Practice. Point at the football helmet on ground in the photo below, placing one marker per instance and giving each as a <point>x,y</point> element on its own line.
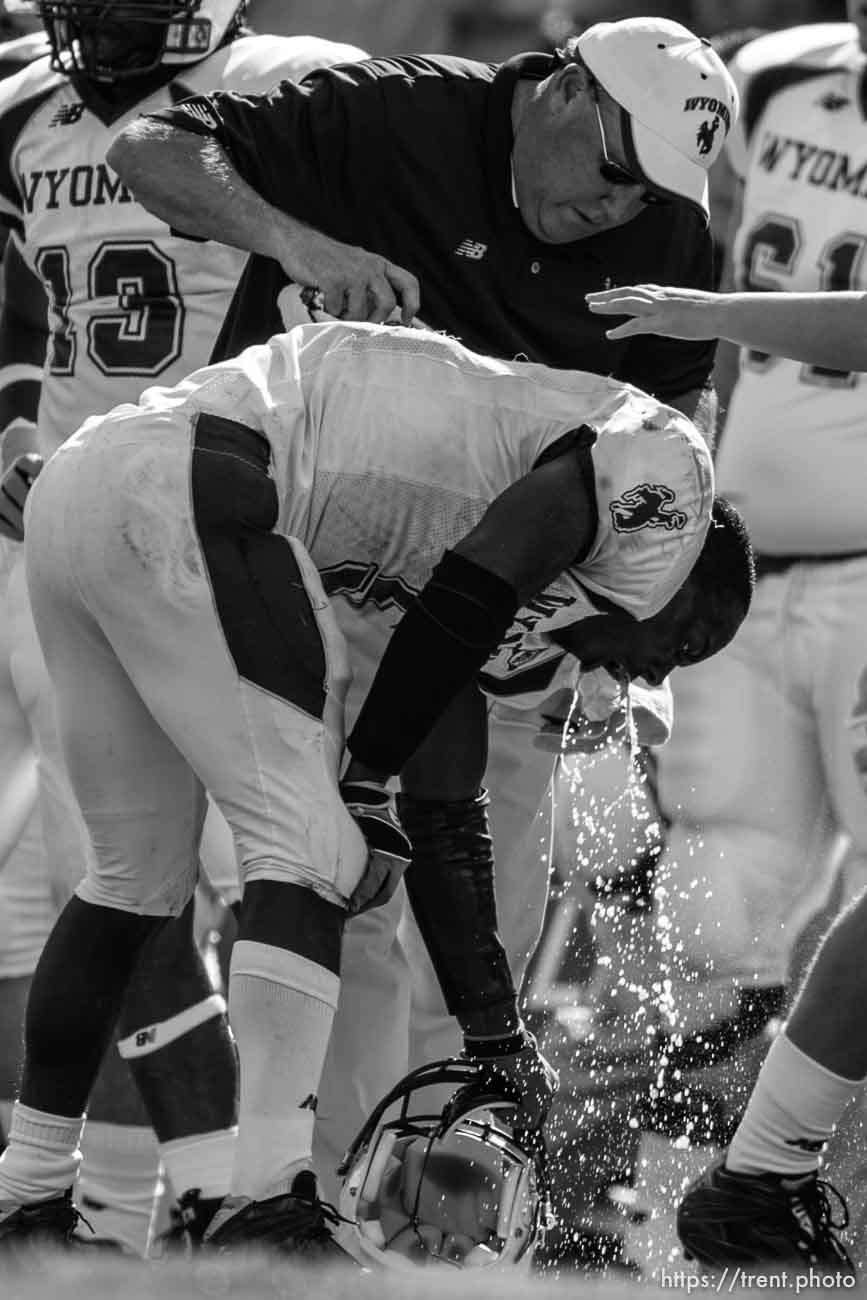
<point>452,1186</point>
<point>114,40</point>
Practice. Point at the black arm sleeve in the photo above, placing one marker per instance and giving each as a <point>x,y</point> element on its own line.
<point>450,883</point>
<point>443,639</point>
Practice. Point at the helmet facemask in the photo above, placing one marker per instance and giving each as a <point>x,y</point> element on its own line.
<point>110,41</point>
<point>451,1189</point>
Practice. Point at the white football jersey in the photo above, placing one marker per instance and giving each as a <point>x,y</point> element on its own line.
<point>128,300</point>
<point>793,455</point>
<point>389,444</point>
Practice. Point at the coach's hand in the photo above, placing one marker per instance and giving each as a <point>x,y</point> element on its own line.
<point>388,849</point>
<point>515,1067</point>
<point>355,284</point>
<point>14,487</point>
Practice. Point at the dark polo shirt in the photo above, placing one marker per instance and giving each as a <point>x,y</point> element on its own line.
<point>409,157</point>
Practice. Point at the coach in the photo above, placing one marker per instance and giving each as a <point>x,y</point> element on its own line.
<point>485,200</point>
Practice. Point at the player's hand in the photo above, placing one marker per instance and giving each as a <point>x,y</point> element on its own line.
<point>354,284</point>
<point>676,313</point>
<point>522,1075</point>
<point>14,487</point>
<point>388,848</point>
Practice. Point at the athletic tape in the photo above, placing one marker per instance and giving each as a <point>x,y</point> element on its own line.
<point>152,1038</point>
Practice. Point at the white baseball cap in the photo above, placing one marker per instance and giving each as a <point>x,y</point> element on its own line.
<point>678,98</point>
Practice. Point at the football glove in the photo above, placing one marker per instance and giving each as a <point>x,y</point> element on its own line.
<point>388,849</point>
<point>515,1067</point>
<point>14,487</point>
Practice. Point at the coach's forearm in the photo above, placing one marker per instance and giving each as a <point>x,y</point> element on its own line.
<point>188,181</point>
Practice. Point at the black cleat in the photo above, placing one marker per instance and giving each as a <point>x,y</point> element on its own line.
<point>190,1219</point>
<point>49,1222</point>
<point>295,1222</point>
<point>727,1219</point>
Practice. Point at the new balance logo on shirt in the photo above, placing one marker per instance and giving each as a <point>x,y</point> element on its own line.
<point>67,115</point>
<point>199,110</point>
<point>472,249</point>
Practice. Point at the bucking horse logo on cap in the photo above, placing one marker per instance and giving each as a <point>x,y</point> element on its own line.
<point>647,505</point>
<point>705,134</point>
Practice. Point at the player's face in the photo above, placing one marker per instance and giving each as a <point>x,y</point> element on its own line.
<point>566,141</point>
<point>110,45</point>
<point>856,11</point>
<point>673,638</point>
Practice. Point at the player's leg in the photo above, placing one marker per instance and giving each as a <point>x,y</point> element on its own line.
<point>369,1042</point>
<point>748,858</point>
<point>17,760</point>
<point>188,1085</point>
<point>260,719</point>
<point>368,1048</point>
<point>822,1056</point>
<point>26,909</point>
<point>128,777</point>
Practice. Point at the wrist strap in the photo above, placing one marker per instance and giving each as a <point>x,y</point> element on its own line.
<point>494,1048</point>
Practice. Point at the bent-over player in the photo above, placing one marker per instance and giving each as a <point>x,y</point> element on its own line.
<point>191,646</point>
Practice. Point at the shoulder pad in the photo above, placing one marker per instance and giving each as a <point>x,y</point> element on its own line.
<point>815,45</point>
<point>20,96</point>
<point>763,67</point>
<point>22,51</point>
<point>32,81</point>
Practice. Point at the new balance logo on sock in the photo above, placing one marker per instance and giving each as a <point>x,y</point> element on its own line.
<point>472,249</point>
<point>310,1102</point>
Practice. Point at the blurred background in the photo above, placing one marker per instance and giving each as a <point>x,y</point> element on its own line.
<point>495,29</point>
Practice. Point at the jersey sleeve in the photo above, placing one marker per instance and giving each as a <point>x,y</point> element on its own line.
<point>297,145</point>
<point>23,338</point>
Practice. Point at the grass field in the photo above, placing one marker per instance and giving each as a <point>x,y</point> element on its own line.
<point>58,1278</point>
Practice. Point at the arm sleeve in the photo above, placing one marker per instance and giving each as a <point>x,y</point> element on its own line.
<point>23,338</point>
<point>298,146</point>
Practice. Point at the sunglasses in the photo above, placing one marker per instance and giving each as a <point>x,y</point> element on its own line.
<point>611,171</point>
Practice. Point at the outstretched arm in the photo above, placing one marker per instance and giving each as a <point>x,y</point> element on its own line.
<point>215,202</point>
<point>822,329</point>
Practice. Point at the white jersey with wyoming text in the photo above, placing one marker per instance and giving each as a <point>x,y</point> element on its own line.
<point>388,445</point>
<point>129,301</point>
<point>793,455</point>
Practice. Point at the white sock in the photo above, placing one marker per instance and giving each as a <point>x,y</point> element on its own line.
<point>118,1183</point>
<point>203,1160</point>
<point>42,1156</point>
<point>795,1105</point>
<point>281,1009</point>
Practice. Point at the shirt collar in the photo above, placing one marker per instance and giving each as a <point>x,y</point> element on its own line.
<point>500,136</point>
